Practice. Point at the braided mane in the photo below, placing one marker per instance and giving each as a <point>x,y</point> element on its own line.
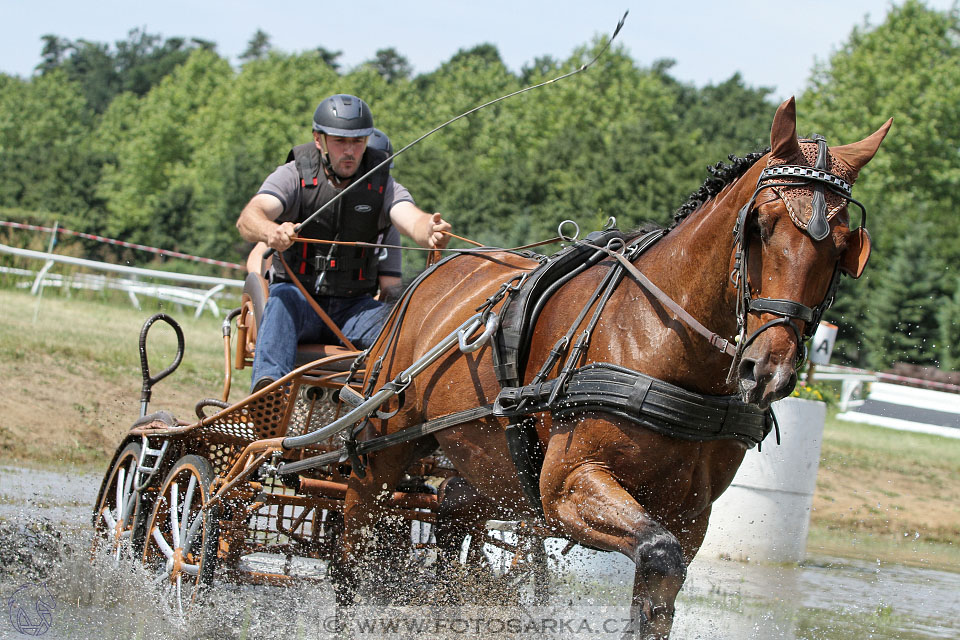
<point>720,176</point>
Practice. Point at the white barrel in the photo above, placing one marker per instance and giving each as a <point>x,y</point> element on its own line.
<point>764,515</point>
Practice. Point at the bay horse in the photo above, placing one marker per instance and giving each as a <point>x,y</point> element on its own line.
<point>758,257</point>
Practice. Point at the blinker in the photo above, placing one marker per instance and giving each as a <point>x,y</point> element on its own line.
<point>818,227</point>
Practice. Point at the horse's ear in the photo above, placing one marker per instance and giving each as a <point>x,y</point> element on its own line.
<point>783,134</point>
<point>860,153</point>
<point>855,256</point>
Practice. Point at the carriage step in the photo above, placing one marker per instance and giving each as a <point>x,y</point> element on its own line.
<point>149,462</point>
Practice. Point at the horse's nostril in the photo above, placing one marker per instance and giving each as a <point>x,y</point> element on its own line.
<point>746,371</point>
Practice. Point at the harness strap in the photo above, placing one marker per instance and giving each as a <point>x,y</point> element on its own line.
<point>644,400</point>
<point>327,320</point>
<point>787,308</point>
<point>412,432</point>
<point>717,341</point>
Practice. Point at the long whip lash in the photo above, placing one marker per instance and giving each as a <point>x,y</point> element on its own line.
<point>583,67</point>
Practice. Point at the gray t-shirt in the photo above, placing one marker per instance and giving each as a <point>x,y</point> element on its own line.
<point>284,184</point>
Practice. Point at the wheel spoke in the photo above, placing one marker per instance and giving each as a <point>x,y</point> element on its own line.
<point>128,492</point>
<point>164,547</point>
<point>179,597</point>
<point>187,503</point>
<point>192,533</point>
<point>174,514</point>
<point>121,476</point>
<point>108,518</point>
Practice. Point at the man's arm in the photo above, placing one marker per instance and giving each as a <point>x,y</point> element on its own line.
<point>256,222</point>
<point>425,228</point>
<point>390,288</point>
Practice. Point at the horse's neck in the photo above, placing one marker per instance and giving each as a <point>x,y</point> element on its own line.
<point>691,264</point>
<point>695,257</point>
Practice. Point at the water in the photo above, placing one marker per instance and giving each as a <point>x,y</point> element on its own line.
<point>45,554</point>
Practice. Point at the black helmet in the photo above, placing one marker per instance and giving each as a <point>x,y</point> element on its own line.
<point>343,115</point>
<point>379,140</point>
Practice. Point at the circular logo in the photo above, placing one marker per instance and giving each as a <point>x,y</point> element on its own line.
<point>31,609</point>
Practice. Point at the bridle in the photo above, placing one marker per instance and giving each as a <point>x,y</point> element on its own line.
<point>818,227</point>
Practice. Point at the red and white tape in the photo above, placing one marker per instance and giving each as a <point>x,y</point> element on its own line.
<point>121,243</point>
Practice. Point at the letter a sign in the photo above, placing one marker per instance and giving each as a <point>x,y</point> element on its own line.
<point>822,345</point>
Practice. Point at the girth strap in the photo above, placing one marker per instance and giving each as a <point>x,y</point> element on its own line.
<point>643,400</point>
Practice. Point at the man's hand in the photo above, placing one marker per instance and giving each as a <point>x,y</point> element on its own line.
<point>436,239</point>
<point>281,236</point>
<point>426,229</point>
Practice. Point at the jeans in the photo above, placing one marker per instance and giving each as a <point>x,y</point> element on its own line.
<point>289,319</point>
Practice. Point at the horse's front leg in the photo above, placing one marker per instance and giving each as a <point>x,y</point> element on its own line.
<point>372,535</point>
<point>593,509</point>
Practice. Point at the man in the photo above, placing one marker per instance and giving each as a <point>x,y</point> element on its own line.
<point>340,278</point>
<point>390,271</point>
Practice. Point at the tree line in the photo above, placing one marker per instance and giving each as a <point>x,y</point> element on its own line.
<point>161,142</point>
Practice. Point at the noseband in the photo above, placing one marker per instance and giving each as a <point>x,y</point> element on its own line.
<point>818,227</point>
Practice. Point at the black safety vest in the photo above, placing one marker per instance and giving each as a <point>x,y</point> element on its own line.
<point>334,270</point>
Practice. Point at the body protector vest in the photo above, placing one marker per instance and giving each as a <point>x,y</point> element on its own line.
<point>335,270</point>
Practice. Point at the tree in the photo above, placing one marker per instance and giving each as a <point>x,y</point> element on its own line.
<point>948,322</point>
<point>904,299</point>
<point>46,162</point>
<point>329,57</point>
<point>258,47</point>
<point>135,64</point>
<point>391,65</point>
<point>908,67</point>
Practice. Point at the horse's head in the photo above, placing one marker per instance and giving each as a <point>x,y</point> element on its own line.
<point>793,242</point>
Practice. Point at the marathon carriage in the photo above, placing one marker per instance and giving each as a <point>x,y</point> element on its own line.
<point>197,500</point>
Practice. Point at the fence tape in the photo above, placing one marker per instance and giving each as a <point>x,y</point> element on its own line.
<point>131,245</point>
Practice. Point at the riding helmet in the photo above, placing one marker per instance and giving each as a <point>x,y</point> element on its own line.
<point>343,115</point>
<point>379,140</point>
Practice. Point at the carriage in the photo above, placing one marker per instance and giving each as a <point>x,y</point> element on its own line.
<point>605,395</point>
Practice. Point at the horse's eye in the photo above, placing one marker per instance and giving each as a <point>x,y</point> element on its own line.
<point>765,226</point>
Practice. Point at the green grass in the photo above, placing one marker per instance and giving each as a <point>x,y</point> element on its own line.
<point>875,448</point>
<point>70,375</point>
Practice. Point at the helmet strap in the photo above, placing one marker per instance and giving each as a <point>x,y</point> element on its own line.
<point>325,162</point>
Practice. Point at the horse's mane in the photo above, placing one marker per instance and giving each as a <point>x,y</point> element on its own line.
<point>720,176</point>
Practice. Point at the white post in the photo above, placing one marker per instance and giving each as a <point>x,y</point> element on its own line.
<point>764,515</point>
<point>37,288</point>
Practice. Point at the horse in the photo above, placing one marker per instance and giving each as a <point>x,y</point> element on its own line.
<point>758,257</point>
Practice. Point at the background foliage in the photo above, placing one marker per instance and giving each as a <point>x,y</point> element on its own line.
<point>161,141</point>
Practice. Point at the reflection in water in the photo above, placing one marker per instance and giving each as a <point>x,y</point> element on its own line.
<point>823,599</point>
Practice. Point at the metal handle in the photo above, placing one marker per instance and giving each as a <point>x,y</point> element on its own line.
<point>493,321</point>
<point>148,380</point>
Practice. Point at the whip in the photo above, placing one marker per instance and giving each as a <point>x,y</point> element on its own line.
<point>583,67</point>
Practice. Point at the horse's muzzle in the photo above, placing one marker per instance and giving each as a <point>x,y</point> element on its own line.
<point>762,382</point>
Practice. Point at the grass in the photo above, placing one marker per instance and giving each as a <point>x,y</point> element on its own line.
<point>887,494</point>
<point>70,378</point>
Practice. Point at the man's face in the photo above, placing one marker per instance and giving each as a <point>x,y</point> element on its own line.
<point>345,153</point>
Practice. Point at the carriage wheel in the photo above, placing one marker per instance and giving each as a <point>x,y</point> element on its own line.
<point>517,563</point>
<point>181,541</point>
<point>118,521</point>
